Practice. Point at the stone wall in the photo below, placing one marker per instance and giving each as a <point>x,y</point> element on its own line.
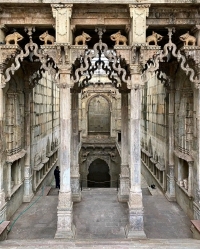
<point>44,133</point>
<point>153,132</point>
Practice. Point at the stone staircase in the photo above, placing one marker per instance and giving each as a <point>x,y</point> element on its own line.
<point>102,244</point>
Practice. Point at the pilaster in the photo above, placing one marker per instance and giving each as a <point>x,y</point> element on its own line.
<point>138,13</point>
<point>135,228</point>
<point>170,194</point>
<point>28,191</point>
<point>123,192</point>
<point>75,176</point>
<point>62,14</point>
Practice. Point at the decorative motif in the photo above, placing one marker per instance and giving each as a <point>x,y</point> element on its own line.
<point>45,37</point>
<point>115,65</point>
<point>154,64</point>
<point>31,49</point>
<point>82,38</point>
<point>188,39</point>
<point>155,37</point>
<point>13,37</point>
<point>117,37</point>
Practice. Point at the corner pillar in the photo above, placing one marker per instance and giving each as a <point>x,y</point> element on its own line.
<point>28,191</point>
<point>170,194</point>
<point>123,193</point>
<point>65,226</point>
<point>135,228</point>
<point>75,176</point>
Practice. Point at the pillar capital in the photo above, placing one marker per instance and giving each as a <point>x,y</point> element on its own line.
<point>138,13</point>
<point>62,14</point>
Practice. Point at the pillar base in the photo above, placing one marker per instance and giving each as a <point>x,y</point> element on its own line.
<point>65,227</point>
<point>75,188</point>
<point>76,197</point>
<point>122,197</point>
<point>134,234</point>
<point>28,198</point>
<point>170,197</point>
<point>66,234</point>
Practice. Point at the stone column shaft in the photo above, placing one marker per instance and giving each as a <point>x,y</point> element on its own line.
<point>170,194</point>
<point>135,228</point>
<point>28,192</point>
<point>75,176</point>
<point>65,227</point>
<point>123,193</point>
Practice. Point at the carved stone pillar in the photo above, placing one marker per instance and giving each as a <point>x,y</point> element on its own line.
<point>75,176</point>
<point>138,13</point>
<point>62,14</point>
<point>65,227</point>
<point>28,191</point>
<point>135,228</point>
<point>170,194</point>
<point>123,192</point>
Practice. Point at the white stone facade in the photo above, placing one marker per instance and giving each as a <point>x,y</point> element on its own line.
<point>133,106</point>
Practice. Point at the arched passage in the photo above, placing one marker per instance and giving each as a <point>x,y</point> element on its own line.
<point>98,176</point>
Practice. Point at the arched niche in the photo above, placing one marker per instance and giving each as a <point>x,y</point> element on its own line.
<point>99,115</point>
<point>99,174</point>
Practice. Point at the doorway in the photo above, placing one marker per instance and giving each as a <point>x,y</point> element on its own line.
<point>98,176</point>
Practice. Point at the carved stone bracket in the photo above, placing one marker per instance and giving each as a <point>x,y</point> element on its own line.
<point>183,55</point>
<point>115,65</point>
<point>31,49</point>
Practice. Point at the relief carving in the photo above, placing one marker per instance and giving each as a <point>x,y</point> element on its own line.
<point>82,38</point>
<point>155,37</point>
<point>188,39</point>
<point>117,37</point>
<point>13,37</point>
<point>45,37</point>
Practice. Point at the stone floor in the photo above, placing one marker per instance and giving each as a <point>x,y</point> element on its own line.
<point>100,217</point>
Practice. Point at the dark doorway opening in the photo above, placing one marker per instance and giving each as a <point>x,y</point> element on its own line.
<point>98,176</point>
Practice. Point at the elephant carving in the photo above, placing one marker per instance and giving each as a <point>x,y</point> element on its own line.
<point>45,37</point>
<point>13,37</point>
<point>188,39</point>
<point>82,38</point>
<point>117,37</point>
<point>155,37</point>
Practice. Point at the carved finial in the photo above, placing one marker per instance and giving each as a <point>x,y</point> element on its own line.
<point>100,32</point>
<point>30,30</point>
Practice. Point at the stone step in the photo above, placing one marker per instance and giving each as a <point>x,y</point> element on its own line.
<point>103,244</point>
